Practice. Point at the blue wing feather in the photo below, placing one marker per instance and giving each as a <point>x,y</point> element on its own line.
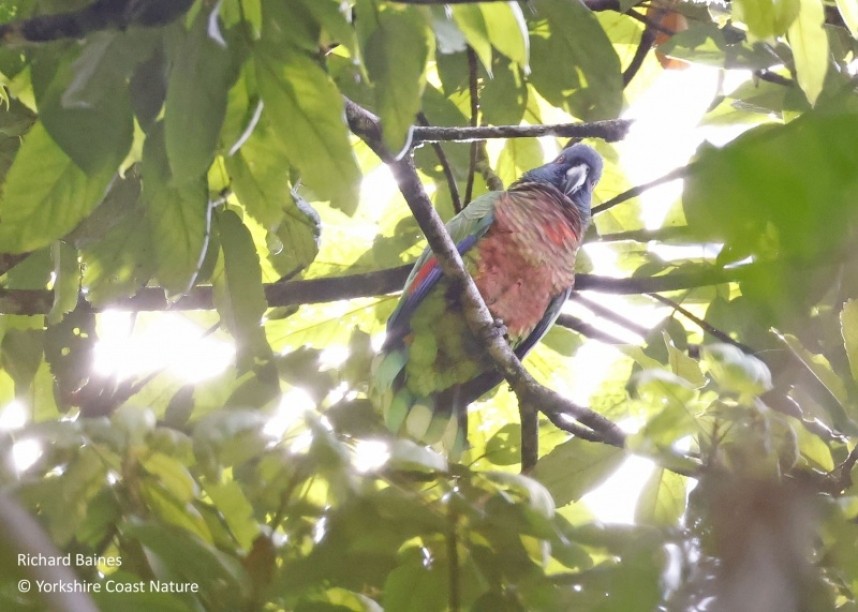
<point>465,229</point>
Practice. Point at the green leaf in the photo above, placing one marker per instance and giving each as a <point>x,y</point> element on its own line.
<point>332,15</point>
<point>662,501</point>
<point>416,588</point>
<point>396,43</point>
<point>682,365</point>
<point>186,558</point>
<point>849,12</point>
<point>507,31</point>
<point>818,365</point>
<point>95,130</point>
<point>504,97</point>
<point>20,356</point>
<point>809,44</point>
<point>239,295</point>
<point>306,112</point>
<point>585,70</point>
<point>575,467</point>
<point>117,257</point>
<point>766,18</point>
<point>232,503</point>
<point>172,475</point>
<point>46,194</point>
<point>66,287</point>
<point>202,73</point>
<point>179,217</point>
<point>469,18</point>
<point>849,330</point>
<point>518,156</point>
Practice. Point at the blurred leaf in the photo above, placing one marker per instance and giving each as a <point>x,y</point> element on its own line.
<point>575,467</point>
<point>849,12</point>
<point>810,47</point>
<point>415,587</point>
<point>409,456</point>
<point>682,365</point>
<point>396,44</point>
<point>767,18</point>
<point>818,365</point>
<point>662,501</point>
<point>849,331</point>
<point>187,559</point>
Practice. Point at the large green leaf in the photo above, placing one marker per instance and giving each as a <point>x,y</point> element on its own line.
<point>260,179</point>
<point>575,467</point>
<point>810,47</point>
<point>507,31</point>
<point>203,70</point>
<point>577,66</point>
<point>179,217</point>
<point>239,296</point>
<point>83,102</point>
<point>46,194</point>
<point>767,18</point>
<point>396,44</point>
<point>306,112</point>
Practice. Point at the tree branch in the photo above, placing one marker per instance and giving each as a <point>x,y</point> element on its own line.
<point>321,290</point>
<point>100,15</point>
<point>610,130</point>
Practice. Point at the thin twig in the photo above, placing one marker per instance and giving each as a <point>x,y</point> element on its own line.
<point>474,92</point>
<point>644,46</point>
<point>639,189</point>
<point>585,329</point>
<point>610,315</point>
<point>702,324</point>
<point>445,166</point>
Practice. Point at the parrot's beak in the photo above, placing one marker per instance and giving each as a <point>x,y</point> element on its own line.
<point>575,177</point>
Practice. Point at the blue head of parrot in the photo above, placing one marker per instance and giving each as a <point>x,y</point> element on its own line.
<point>574,172</point>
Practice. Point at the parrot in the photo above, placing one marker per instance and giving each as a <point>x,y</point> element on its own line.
<point>519,246</point>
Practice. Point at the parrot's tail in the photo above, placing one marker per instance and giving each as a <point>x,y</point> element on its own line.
<point>440,419</point>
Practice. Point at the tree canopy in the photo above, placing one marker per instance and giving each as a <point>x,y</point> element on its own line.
<point>264,171</point>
